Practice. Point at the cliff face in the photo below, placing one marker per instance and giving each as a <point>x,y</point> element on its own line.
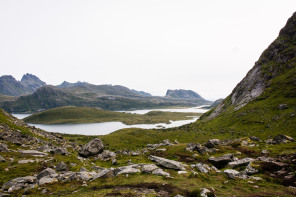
<point>277,61</point>
<point>10,86</point>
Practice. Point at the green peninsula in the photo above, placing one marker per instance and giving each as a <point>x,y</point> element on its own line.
<point>71,114</point>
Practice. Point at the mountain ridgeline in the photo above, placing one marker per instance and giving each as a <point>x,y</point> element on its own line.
<point>83,94</point>
<point>11,87</point>
<point>185,94</point>
<point>264,101</point>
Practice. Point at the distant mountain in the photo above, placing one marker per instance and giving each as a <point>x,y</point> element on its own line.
<point>186,94</point>
<point>142,93</point>
<point>67,84</point>
<point>11,87</point>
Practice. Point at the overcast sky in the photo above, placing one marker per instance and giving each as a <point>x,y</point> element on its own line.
<point>150,45</point>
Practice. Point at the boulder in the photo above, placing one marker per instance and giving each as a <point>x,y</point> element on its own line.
<point>18,183</point>
<point>222,161</point>
<point>190,147</point>
<point>148,168</point>
<point>202,167</point>
<point>126,170</point>
<point>196,147</point>
<point>212,143</point>
<point>106,155</point>
<point>204,192</point>
<point>250,170</point>
<point>231,173</point>
<point>254,138</point>
<point>60,151</point>
<point>3,148</point>
<point>167,163</point>
<point>282,139</point>
<point>82,169</point>
<point>62,166</point>
<point>104,174</point>
<point>46,173</point>
<point>160,172</point>
<point>2,159</point>
<point>240,162</point>
<point>45,180</point>
<point>93,147</point>
<point>34,153</point>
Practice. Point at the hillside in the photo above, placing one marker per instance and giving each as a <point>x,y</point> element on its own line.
<point>11,87</point>
<point>64,115</point>
<point>87,95</point>
<point>263,103</point>
<point>184,94</point>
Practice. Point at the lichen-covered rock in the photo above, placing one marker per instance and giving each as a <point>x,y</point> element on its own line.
<point>148,168</point>
<point>167,163</point>
<point>240,162</point>
<point>93,147</point>
<point>46,172</point>
<point>160,172</point>
<point>18,183</point>
<point>62,166</point>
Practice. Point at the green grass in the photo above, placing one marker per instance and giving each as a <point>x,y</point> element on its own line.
<point>63,115</point>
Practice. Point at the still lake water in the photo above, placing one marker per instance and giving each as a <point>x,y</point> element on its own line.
<point>109,127</point>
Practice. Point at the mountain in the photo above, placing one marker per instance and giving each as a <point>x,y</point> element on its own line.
<point>186,94</point>
<point>263,103</point>
<point>141,93</point>
<point>11,87</point>
<point>67,84</point>
<point>107,97</point>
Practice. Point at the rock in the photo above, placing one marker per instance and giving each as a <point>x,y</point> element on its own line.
<point>283,106</point>
<point>265,152</point>
<point>250,170</point>
<point>114,161</point>
<point>34,153</point>
<point>104,174</point>
<point>182,172</point>
<point>2,159</point>
<point>62,166</point>
<point>82,169</point>
<point>44,148</point>
<point>46,172</point>
<point>201,168</point>
<point>86,176</point>
<point>282,139</point>
<point>231,173</point>
<point>106,155</point>
<point>167,163</point>
<point>254,138</point>
<point>3,148</point>
<point>93,147</point>
<point>148,168</point>
<point>25,161</point>
<point>204,192</point>
<point>160,172</point>
<point>126,170</point>
<point>196,147</point>
<point>222,161</point>
<point>176,142</point>
<point>241,162</point>
<point>45,180</point>
<point>211,143</point>
<point>67,176</point>
<point>190,147</point>
<point>18,183</point>
<point>60,151</point>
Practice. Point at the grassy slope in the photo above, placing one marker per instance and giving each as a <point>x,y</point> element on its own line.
<point>64,115</point>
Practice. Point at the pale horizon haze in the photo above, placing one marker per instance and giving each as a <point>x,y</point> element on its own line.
<point>147,45</point>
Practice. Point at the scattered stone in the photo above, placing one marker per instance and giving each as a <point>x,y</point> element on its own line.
<point>46,172</point>
<point>106,155</point>
<point>282,139</point>
<point>161,150</point>
<point>250,170</point>
<point>45,180</point>
<point>204,192</point>
<point>3,148</point>
<point>44,148</point>
<point>241,162</point>
<point>182,172</point>
<point>221,162</point>
<point>82,169</point>
<point>93,147</point>
<point>104,174</point>
<point>18,183</point>
<point>202,168</point>
<point>25,161</point>
<point>190,147</point>
<point>164,143</point>
<point>2,159</point>
<point>283,106</point>
<point>44,191</point>
<point>62,166</point>
<point>212,143</point>
<point>201,149</point>
<point>231,173</point>
<point>265,152</point>
<point>254,138</point>
<point>127,170</point>
<point>167,163</point>
<point>60,151</point>
<point>148,168</point>
<point>160,172</point>
<point>176,142</point>
<point>178,195</point>
<point>114,161</point>
<point>34,153</point>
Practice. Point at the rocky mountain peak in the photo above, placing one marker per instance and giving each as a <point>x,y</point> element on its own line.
<point>186,94</point>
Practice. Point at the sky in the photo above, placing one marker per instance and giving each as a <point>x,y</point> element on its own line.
<point>149,45</point>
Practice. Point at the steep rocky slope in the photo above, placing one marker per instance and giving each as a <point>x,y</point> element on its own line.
<point>11,87</point>
<point>265,99</point>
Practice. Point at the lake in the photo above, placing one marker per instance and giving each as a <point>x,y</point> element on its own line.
<point>109,127</point>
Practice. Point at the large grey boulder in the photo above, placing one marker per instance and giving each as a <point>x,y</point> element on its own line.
<point>126,170</point>
<point>167,163</point>
<point>93,147</point>
<point>106,155</point>
<point>231,173</point>
<point>222,161</point>
<point>148,168</point>
<point>3,148</point>
<point>240,162</point>
<point>18,183</point>
<point>203,168</point>
<point>212,143</point>
<point>46,173</point>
